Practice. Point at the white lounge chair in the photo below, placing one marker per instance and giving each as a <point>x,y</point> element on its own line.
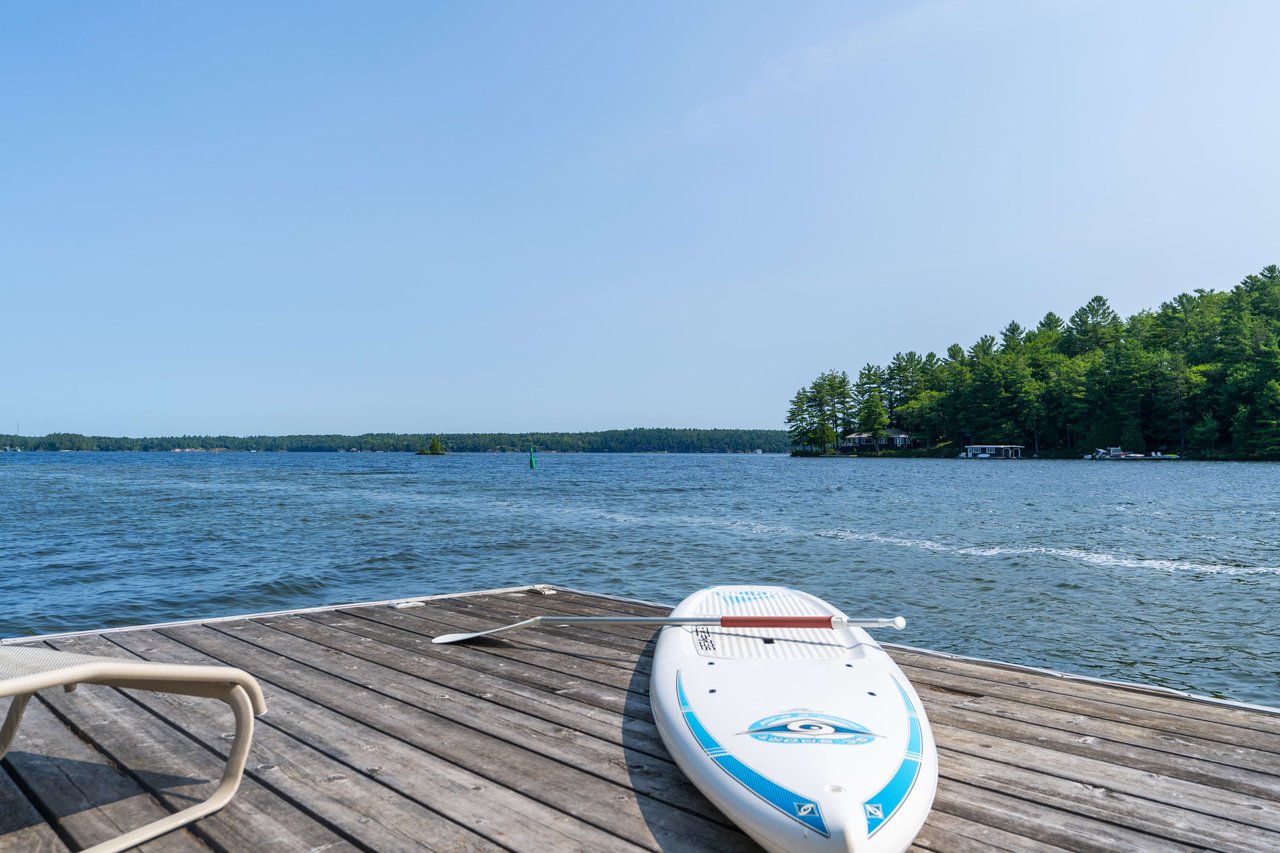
<point>26,669</point>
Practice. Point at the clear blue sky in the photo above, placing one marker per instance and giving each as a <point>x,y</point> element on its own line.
<point>253,218</point>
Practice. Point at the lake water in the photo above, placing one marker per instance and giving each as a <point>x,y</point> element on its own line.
<point>1159,572</point>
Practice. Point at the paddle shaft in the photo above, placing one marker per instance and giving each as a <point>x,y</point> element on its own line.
<point>716,621</point>
<point>829,622</point>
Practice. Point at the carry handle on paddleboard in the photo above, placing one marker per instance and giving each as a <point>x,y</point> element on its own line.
<point>820,622</point>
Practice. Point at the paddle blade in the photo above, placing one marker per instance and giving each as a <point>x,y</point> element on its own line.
<point>458,638</point>
<point>455,638</point>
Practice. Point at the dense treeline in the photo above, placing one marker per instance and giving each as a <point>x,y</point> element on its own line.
<point>608,441</point>
<point>1200,374</point>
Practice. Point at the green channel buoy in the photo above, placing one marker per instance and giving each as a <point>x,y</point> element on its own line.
<point>533,463</point>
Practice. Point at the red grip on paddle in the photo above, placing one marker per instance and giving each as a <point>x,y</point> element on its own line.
<point>775,621</point>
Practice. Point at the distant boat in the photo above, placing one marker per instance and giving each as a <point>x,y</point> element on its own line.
<point>1116,453</point>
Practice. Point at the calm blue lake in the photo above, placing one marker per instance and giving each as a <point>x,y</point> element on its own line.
<point>1158,572</point>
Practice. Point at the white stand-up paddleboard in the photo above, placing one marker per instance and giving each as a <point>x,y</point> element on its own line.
<point>809,739</point>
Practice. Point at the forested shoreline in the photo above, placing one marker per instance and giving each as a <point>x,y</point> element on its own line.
<point>606,441</point>
<point>1199,375</point>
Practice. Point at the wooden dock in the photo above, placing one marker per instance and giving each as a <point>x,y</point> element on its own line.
<point>374,739</point>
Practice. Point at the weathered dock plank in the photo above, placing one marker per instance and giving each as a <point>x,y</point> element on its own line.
<point>376,739</point>
<point>332,794</point>
<point>436,740</point>
<point>1117,743</point>
<point>182,744</point>
<point>466,704</point>
<point>22,827</point>
<point>1165,713</point>
<point>481,689</point>
<point>89,799</point>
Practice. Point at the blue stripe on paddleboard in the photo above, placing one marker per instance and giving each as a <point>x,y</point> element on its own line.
<point>884,803</point>
<point>788,802</point>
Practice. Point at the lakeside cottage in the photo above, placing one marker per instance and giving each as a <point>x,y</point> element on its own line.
<point>992,451</point>
<point>890,439</point>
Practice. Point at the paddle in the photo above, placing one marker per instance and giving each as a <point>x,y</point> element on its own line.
<point>834,622</point>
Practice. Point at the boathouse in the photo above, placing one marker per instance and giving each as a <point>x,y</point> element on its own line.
<point>992,451</point>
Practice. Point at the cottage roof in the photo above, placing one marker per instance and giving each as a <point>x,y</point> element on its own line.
<point>889,433</point>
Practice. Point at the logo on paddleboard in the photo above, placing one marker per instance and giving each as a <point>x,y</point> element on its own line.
<point>801,727</point>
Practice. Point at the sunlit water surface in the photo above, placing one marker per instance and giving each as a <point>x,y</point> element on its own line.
<point>1155,572</point>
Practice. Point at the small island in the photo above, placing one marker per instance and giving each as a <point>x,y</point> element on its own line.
<point>434,449</point>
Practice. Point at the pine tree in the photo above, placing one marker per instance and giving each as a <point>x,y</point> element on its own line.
<point>872,417</point>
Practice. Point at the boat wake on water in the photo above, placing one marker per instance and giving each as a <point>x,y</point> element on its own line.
<point>1077,555</point>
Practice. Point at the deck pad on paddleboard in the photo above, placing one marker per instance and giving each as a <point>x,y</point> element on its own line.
<point>809,739</point>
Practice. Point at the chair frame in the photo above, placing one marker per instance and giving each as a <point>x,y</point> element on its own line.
<point>233,686</point>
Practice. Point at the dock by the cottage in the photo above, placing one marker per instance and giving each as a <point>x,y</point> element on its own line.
<point>375,739</point>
